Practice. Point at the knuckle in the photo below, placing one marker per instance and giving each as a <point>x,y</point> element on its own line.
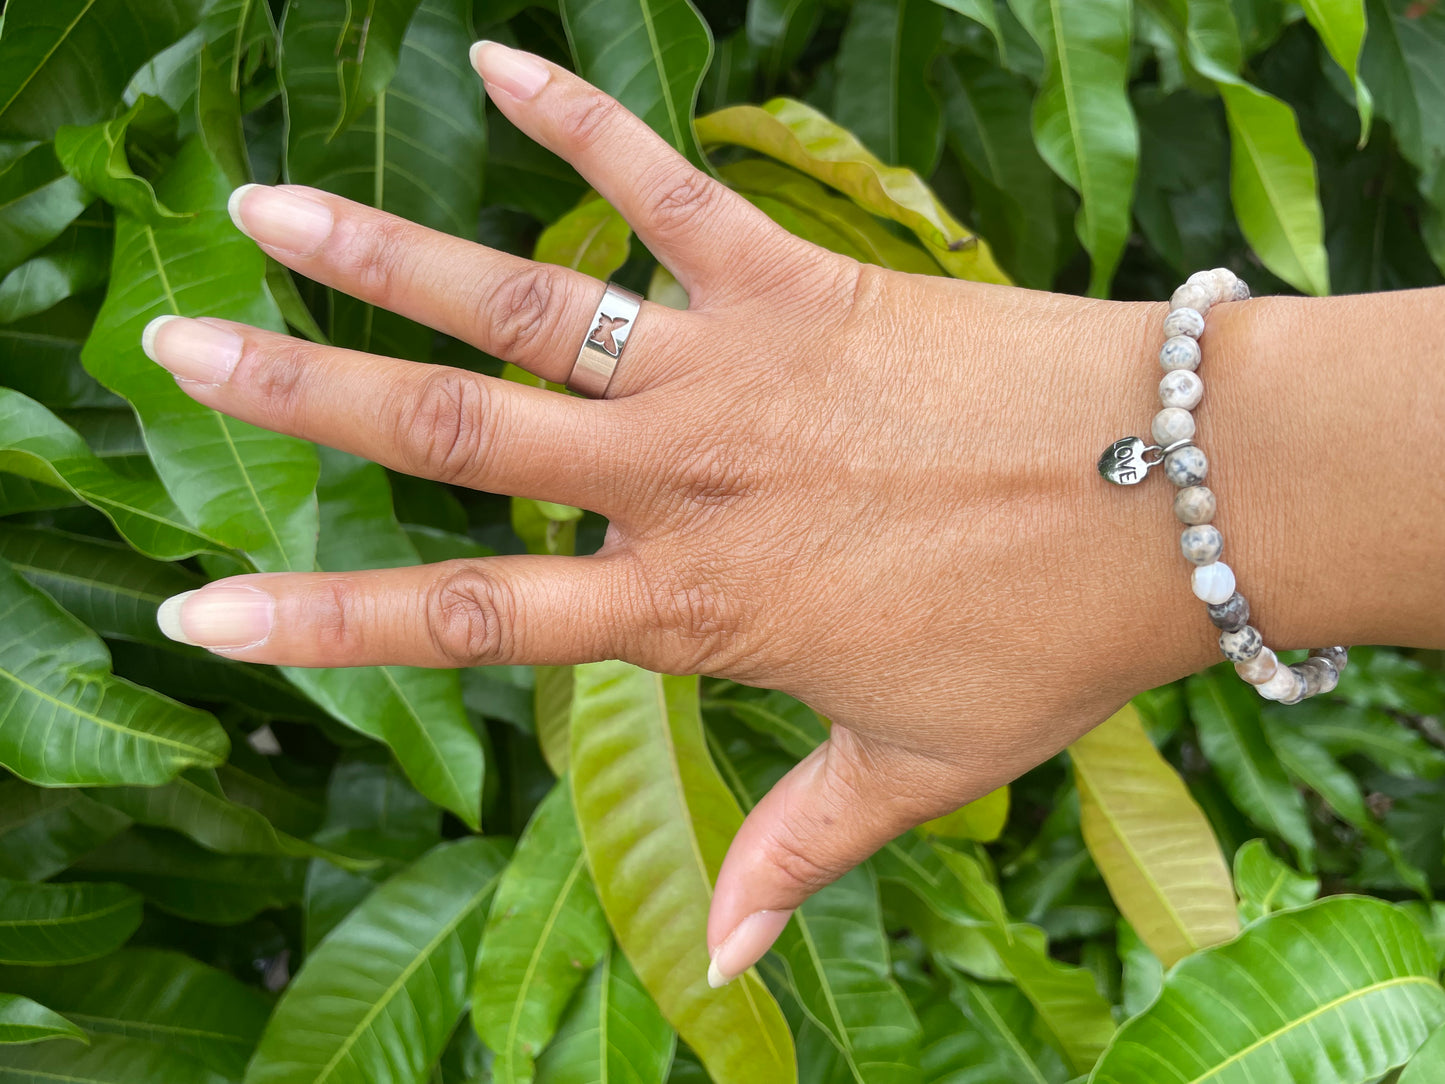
<point>277,375</point>
<point>518,310</point>
<point>332,611</point>
<point>698,624</point>
<point>376,259</point>
<point>441,433</point>
<point>709,480</point>
<point>678,196</point>
<point>588,119</point>
<point>472,618</point>
<point>799,861</point>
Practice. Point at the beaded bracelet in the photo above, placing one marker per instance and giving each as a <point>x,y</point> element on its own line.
<point>1128,460</point>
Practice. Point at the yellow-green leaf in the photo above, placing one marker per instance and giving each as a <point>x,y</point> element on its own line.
<point>982,819</point>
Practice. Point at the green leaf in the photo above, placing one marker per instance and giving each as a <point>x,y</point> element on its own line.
<point>95,156</point>
<point>417,712</point>
<point>545,932</point>
<point>650,55</point>
<point>67,61</point>
<point>1352,730</point>
<point>801,137</point>
<point>1007,1023</point>
<point>417,150</point>
<point>592,238</point>
<point>1151,842</point>
<point>1226,713</point>
<point>656,821</point>
<point>837,956</point>
<point>377,1000</point>
<point>806,209</point>
<point>982,819</point>
<point>109,1059</point>
<point>778,32</point>
<point>75,262</point>
<point>38,445</point>
<point>26,1021</point>
<point>69,722</point>
<point>64,923</point>
<point>367,53</point>
<point>881,93</point>
<point>190,882</point>
<point>1341,26</point>
<point>245,485</point>
<point>1424,1067</point>
<point>1265,884</point>
<point>43,830</point>
<point>1083,123</point>
<point>38,200</point>
<point>613,1031</point>
<point>793,725</point>
<point>156,995</point>
<point>1263,1006</point>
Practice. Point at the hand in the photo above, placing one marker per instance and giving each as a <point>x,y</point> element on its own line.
<point>871,490</point>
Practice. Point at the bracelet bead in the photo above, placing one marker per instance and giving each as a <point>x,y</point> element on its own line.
<point>1242,644</point>
<point>1186,466</point>
<point>1232,614</point>
<point>1339,656</point>
<point>1172,425</point>
<point>1184,322</point>
<point>1259,669</point>
<point>1285,685</point>
<point>1201,544</point>
<point>1212,583</point>
<point>1319,674</point>
<point>1181,388</point>
<point>1192,295</point>
<point>1179,352</point>
<point>1194,504</point>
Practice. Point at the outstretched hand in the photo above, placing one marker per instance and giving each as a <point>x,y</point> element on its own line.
<point>871,490</point>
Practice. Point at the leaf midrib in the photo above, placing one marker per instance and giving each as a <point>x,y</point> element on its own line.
<point>521,1001</point>
<point>65,34</point>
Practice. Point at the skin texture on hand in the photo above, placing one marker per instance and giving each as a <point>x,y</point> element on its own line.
<point>871,490</point>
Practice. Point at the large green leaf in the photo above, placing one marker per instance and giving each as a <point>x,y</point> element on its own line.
<point>546,930</point>
<point>1341,26</point>
<point>26,1021</point>
<point>1424,1067</point>
<point>418,712</point>
<point>1341,990</point>
<point>1083,123</point>
<point>1226,713</point>
<point>75,262</point>
<point>801,137</point>
<point>613,1031</point>
<point>656,821</point>
<point>376,1001</point>
<point>38,445</point>
<point>367,53</point>
<point>44,829</point>
<point>38,199</point>
<point>1008,1025</point>
<point>67,61</point>
<point>1151,841</point>
<point>1352,730</point>
<point>778,32</point>
<point>417,150</point>
<point>108,1059</point>
<point>64,923</point>
<point>68,721</point>
<point>650,55</point>
<point>881,93</point>
<point>245,485</point>
<point>95,155</point>
<point>1265,884</point>
<point>157,995</point>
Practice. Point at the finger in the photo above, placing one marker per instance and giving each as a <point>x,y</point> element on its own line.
<point>428,420</point>
<point>831,812</point>
<point>704,232</point>
<point>532,314</point>
<point>522,609</point>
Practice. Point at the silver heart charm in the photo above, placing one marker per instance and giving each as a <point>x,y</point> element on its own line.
<point>1123,462</point>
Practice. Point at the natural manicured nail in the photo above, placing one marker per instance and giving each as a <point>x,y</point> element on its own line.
<point>520,74</point>
<point>192,350</point>
<point>281,218</point>
<point>745,946</point>
<point>218,617</point>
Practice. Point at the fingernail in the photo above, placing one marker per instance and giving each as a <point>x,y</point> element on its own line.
<point>191,349</point>
<point>520,74</point>
<point>280,218</point>
<point>745,946</point>
<point>218,617</point>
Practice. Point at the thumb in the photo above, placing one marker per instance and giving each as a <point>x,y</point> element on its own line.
<point>837,806</point>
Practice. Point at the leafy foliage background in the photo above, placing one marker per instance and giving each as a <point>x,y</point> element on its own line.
<point>212,871</point>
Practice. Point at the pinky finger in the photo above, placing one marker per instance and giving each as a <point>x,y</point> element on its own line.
<point>520,609</point>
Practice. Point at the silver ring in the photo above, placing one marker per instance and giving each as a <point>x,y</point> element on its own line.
<point>614,320</point>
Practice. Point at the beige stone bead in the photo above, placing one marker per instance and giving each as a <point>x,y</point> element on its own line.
<point>1181,388</point>
<point>1179,352</point>
<point>1172,424</point>
<point>1259,669</point>
<point>1193,295</point>
<point>1194,505</point>
<point>1184,322</point>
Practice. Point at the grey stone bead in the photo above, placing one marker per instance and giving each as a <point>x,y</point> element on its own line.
<point>1172,424</point>
<point>1181,388</point>
<point>1179,352</point>
<point>1284,686</point>
<point>1302,689</point>
<point>1242,644</point>
<point>1259,669</point>
<point>1232,614</point>
<point>1194,504</point>
<point>1186,466</point>
<point>1184,322</point>
<point>1239,292</point>
<point>1201,544</point>
<point>1339,656</point>
<point>1319,674</point>
<point>1192,295</point>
